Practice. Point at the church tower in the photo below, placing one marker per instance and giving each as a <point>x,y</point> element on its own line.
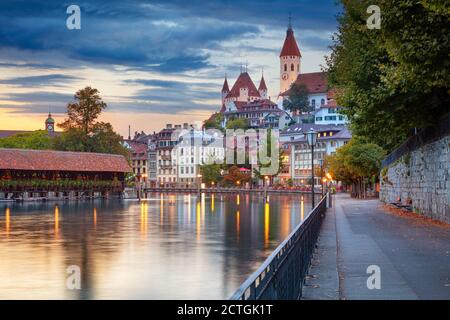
<point>290,57</point>
<point>50,124</point>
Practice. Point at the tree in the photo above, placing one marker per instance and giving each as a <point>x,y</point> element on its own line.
<point>239,123</point>
<point>211,173</point>
<point>355,163</point>
<point>84,112</point>
<point>298,101</point>
<point>39,140</point>
<point>214,122</point>
<point>81,130</point>
<point>235,175</point>
<point>394,79</point>
<point>267,144</point>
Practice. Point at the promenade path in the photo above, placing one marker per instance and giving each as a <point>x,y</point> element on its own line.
<point>413,255</point>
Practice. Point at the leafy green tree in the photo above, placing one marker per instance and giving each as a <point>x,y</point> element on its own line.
<point>393,79</point>
<point>39,140</point>
<point>355,163</point>
<point>239,123</point>
<point>298,101</point>
<point>82,131</point>
<point>83,113</point>
<point>214,122</point>
<point>211,173</point>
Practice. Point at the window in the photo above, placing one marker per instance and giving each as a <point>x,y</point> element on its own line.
<point>341,118</point>
<point>331,110</point>
<point>285,67</point>
<point>182,170</point>
<point>319,118</point>
<point>322,101</point>
<point>313,102</point>
<point>292,67</point>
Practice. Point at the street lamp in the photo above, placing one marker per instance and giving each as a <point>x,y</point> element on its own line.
<point>311,138</point>
<point>321,174</point>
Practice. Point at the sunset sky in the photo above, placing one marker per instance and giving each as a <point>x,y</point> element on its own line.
<point>154,62</point>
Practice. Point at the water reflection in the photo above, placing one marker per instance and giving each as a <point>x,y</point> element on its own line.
<point>168,246</point>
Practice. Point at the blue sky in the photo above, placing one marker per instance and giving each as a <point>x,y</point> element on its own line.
<point>153,61</point>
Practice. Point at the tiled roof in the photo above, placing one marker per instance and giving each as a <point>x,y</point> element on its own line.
<point>315,82</point>
<point>48,160</point>
<point>290,47</point>
<point>243,81</point>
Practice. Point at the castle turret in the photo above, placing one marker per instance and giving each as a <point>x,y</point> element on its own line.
<point>225,90</point>
<point>262,89</point>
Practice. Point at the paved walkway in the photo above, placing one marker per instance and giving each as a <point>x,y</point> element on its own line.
<point>413,256</point>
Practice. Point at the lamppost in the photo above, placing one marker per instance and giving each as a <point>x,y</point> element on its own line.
<point>321,174</point>
<point>311,138</point>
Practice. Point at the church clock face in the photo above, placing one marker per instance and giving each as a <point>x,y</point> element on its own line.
<point>284,76</point>
<point>50,127</point>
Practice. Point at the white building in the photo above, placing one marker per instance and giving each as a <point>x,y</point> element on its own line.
<point>193,149</point>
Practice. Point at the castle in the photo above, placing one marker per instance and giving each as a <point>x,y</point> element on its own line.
<point>245,96</point>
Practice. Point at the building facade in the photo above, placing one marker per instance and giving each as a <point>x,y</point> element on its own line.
<point>330,137</point>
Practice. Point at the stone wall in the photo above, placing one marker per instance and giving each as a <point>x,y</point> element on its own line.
<point>421,178</point>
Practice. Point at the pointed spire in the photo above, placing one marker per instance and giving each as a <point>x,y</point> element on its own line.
<point>290,47</point>
<point>262,83</point>
<point>225,87</point>
<point>290,22</point>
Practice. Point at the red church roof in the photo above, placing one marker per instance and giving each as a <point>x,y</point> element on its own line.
<point>243,81</point>
<point>290,47</point>
<point>315,82</point>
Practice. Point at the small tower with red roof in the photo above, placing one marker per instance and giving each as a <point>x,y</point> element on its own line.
<point>262,88</point>
<point>290,57</point>
<point>225,90</point>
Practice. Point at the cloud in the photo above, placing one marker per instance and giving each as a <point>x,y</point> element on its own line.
<point>40,81</point>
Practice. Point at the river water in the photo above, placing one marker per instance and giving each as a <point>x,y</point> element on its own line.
<point>171,246</point>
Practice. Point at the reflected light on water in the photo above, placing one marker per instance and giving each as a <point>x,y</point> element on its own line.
<point>144,219</point>
<point>8,220</point>
<point>266,224</point>
<point>56,221</point>
<point>237,200</point>
<point>238,223</point>
<point>302,209</point>
<point>212,202</point>
<point>197,220</point>
<point>95,217</point>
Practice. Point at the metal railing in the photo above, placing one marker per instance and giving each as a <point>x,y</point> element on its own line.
<point>282,274</point>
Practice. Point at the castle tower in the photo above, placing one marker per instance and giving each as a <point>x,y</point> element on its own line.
<point>262,88</point>
<point>50,124</point>
<point>290,57</point>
